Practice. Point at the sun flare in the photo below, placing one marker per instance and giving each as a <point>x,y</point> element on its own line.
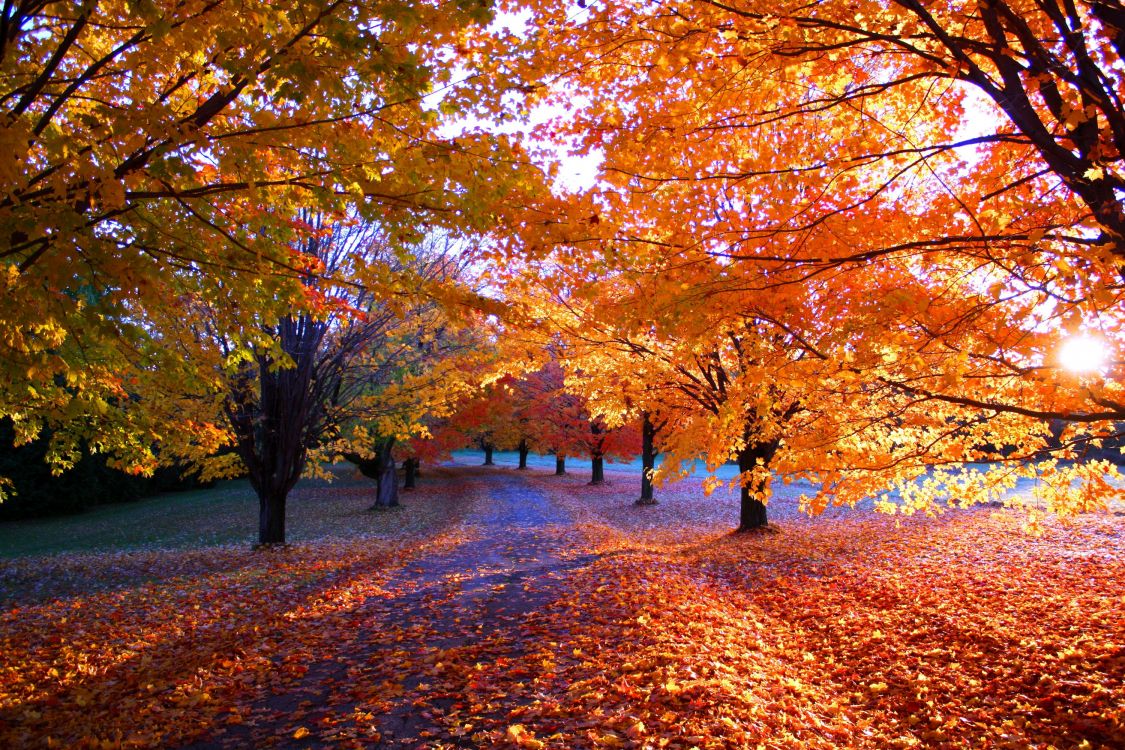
<point>1082,354</point>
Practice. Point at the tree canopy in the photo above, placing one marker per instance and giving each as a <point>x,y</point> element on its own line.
<point>914,205</point>
<point>154,148</point>
<point>848,238</point>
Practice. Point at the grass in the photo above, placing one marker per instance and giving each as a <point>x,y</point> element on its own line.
<point>189,536</point>
<point>226,514</point>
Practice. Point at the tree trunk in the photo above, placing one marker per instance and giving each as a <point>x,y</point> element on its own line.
<point>274,421</point>
<point>276,463</point>
<point>381,468</point>
<point>409,472</point>
<point>524,450</point>
<point>271,517</point>
<point>270,427</point>
<point>386,484</point>
<point>386,496</point>
<point>488,454</point>
<point>597,443</point>
<point>597,469</point>
<point>648,460</point>
<point>560,464</point>
<point>752,512</point>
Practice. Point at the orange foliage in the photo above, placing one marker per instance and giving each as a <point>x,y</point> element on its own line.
<point>801,172</point>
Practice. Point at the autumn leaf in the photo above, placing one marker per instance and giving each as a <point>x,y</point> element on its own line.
<point>518,734</point>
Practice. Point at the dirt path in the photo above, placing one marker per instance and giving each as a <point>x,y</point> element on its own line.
<point>480,598</point>
<point>411,657</point>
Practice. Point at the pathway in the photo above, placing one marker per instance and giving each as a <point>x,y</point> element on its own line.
<point>414,651</point>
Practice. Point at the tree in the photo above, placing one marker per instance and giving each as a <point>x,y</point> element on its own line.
<point>155,150</point>
<point>520,429</point>
<point>525,433</point>
<point>485,418</point>
<point>523,411</point>
<point>733,400</point>
<point>422,375</point>
<point>556,416</point>
<point>379,465</point>
<point>864,91</point>
<point>437,443</point>
<point>552,414</point>
<point>806,168</point>
<point>649,430</point>
<point>292,390</point>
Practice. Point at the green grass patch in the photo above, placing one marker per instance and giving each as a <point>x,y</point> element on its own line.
<point>228,514</point>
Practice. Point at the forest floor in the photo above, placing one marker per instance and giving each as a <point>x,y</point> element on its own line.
<point>517,609</point>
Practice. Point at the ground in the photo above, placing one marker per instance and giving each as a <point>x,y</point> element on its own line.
<point>517,609</point>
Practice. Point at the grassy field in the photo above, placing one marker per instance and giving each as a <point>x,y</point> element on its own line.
<point>222,515</point>
<point>228,513</point>
<point>187,535</point>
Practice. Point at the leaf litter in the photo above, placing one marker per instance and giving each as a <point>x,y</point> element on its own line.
<point>550,614</point>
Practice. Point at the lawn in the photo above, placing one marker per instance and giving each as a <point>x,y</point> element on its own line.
<point>118,545</point>
<point>226,514</point>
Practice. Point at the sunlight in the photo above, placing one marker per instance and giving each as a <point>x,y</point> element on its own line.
<point>1082,353</point>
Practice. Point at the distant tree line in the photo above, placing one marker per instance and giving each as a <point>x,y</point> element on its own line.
<point>36,492</point>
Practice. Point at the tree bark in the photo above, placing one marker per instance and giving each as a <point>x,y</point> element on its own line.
<point>597,443</point>
<point>272,447</point>
<point>386,484</point>
<point>381,468</point>
<point>409,472</point>
<point>597,469</point>
<point>271,518</point>
<point>272,491</point>
<point>386,494</point>
<point>487,454</point>
<point>752,511</point>
<point>648,460</point>
<point>524,450</point>
<point>560,464</point>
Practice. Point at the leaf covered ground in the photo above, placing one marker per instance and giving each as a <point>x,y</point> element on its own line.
<point>533,611</point>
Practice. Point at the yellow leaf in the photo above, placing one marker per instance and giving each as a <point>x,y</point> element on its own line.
<point>301,733</point>
<point>519,734</point>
